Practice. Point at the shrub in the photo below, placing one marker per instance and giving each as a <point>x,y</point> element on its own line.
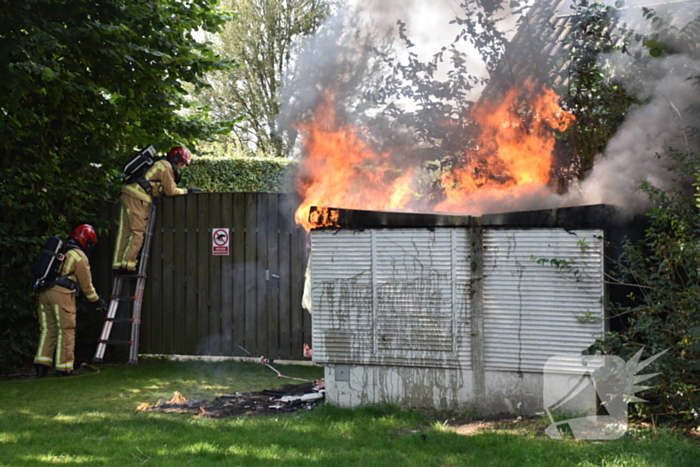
<point>240,174</point>
<point>664,310</point>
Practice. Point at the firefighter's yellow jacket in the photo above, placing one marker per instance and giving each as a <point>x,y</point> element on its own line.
<point>77,268</point>
<point>161,178</point>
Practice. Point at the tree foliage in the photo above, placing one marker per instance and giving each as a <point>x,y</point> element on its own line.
<point>514,48</point>
<point>82,84</point>
<point>438,114</point>
<point>665,38</point>
<point>592,90</point>
<point>261,39</point>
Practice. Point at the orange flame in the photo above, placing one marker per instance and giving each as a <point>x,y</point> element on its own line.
<point>513,158</point>
<point>324,217</point>
<point>342,170</point>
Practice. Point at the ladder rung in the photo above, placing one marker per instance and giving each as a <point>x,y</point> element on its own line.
<point>120,320</point>
<point>122,298</point>
<point>113,342</point>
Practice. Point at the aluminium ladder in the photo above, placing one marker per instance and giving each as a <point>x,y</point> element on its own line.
<point>121,288</point>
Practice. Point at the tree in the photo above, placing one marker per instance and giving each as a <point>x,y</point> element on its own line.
<point>82,84</point>
<point>437,112</point>
<point>592,90</point>
<point>261,39</point>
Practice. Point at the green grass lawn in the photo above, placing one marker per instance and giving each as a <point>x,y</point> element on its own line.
<point>91,420</point>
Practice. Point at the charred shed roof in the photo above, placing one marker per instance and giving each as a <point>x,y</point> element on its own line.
<point>579,217</point>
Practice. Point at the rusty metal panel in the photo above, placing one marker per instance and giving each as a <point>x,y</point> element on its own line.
<point>395,296</point>
<point>543,295</point>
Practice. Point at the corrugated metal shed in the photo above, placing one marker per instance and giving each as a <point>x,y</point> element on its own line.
<point>401,296</point>
<point>442,311</point>
<point>543,295</point>
<point>395,297</point>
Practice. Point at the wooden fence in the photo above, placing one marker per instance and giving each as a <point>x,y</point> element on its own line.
<point>197,303</point>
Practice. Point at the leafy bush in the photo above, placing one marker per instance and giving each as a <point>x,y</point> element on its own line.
<point>240,174</point>
<point>664,310</point>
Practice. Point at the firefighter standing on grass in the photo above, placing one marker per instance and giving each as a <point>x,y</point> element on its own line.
<point>136,199</point>
<point>58,305</point>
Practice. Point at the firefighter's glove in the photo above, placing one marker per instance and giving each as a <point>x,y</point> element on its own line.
<point>101,305</point>
<point>194,190</point>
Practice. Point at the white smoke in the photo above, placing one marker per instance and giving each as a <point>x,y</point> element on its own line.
<point>638,152</point>
<point>430,26</point>
<point>336,58</point>
<point>427,23</point>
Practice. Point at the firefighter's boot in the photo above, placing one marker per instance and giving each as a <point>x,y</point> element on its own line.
<point>41,370</point>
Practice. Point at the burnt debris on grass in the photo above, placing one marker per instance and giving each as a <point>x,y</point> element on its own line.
<point>286,399</point>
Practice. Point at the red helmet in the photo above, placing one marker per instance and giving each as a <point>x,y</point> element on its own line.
<point>85,235</point>
<point>179,154</point>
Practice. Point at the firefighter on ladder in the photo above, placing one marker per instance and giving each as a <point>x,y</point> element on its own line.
<point>136,199</point>
<point>58,305</point>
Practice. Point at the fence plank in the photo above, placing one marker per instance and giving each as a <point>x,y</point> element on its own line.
<point>273,283</point>
<point>215,265</point>
<point>167,212</point>
<point>301,323</point>
<point>203,254</point>
<point>146,338</point>
<point>263,274</point>
<point>178,287</point>
<point>152,322</point>
<point>227,304</point>
<point>304,247</point>
<point>285,300</point>
<point>191,253</point>
<point>251,265</point>
<point>239,292</point>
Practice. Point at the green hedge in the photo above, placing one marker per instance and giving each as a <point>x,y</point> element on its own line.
<point>240,174</point>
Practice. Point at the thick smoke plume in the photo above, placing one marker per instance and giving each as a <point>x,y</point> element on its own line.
<point>636,153</point>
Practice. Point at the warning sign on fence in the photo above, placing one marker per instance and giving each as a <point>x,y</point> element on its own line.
<point>220,242</point>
